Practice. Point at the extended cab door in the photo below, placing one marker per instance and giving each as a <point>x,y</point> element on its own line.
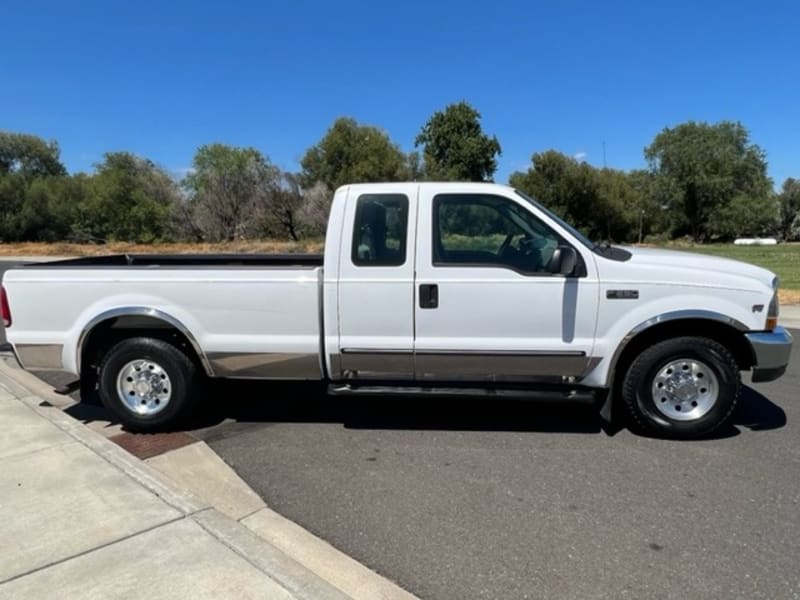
<point>376,284</point>
<point>488,307</point>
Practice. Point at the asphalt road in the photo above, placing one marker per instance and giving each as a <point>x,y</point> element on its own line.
<point>501,499</point>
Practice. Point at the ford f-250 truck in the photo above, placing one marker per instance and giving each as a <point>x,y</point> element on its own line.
<point>424,288</point>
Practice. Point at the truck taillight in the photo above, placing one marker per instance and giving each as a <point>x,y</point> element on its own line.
<point>5,310</point>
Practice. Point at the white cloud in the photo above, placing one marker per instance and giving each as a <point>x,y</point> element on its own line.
<point>580,156</point>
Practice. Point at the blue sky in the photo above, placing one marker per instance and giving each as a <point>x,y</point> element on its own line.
<point>162,78</point>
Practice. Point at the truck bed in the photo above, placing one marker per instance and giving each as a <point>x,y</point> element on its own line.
<point>187,260</point>
<point>252,315</point>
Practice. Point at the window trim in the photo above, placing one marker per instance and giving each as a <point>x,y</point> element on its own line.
<point>354,259</point>
<point>580,266</point>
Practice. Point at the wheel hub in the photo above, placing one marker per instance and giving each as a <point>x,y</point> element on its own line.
<point>144,387</point>
<point>685,389</point>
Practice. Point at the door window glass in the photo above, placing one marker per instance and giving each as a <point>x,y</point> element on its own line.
<point>484,230</point>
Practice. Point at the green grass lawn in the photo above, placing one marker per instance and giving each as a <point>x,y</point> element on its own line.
<point>783,259</point>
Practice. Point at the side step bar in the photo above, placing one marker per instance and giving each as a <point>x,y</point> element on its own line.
<point>538,394</point>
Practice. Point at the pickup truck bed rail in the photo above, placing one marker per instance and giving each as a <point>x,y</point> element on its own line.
<point>187,260</point>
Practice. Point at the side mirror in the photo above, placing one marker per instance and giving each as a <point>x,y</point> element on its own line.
<point>564,260</point>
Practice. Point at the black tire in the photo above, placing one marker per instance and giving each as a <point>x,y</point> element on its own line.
<point>179,370</point>
<point>648,412</point>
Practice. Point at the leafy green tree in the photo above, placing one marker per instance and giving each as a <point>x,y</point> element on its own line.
<point>789,200</point>
<point>130,199</point>
<point>746,216</point>
<point>455,146</point>
<point>352,153</point>
<point>602,203</point>
<point>230,191</point>
<point>13,189</point>
<point>29,156</point>
<point>709,165</point>
<point>52,207</point>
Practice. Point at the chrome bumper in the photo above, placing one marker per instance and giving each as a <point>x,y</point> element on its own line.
<point>771,350</point>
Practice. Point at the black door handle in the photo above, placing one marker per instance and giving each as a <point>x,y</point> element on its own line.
<point>428,295</point>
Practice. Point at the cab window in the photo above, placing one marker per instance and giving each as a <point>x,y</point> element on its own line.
<point>380,229</point>
<point>486,230</point>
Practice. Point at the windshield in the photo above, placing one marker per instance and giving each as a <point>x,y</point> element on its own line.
<point>576,234</point>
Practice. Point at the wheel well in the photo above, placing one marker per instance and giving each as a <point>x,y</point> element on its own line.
<point>728,336</point>
<point>104,335</point>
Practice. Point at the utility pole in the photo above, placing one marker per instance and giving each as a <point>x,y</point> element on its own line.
<point>604,154</point>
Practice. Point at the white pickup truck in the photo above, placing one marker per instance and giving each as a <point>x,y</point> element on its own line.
<point>424,288</point>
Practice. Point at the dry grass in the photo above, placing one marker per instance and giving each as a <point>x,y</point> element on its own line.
<point>789,296</point>
<point>248,247</point>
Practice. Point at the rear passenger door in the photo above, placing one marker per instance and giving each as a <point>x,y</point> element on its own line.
<point>376,284</point>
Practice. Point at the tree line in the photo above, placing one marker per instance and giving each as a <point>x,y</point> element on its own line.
<point>704,182</point>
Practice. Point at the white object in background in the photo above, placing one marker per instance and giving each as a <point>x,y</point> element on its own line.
<point>755,242</point>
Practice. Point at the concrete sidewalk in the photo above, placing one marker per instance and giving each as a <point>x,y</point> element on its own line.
<point>82,518</point>
<point>790,316</point>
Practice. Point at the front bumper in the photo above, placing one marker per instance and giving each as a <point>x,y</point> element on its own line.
<point>771,350</point>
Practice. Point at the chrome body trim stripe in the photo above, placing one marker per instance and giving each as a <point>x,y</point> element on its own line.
<point>520,353</point>
<point>265,365</point>
<point>376,351</point>
<point>141,311</point>
<point>43,357</point>
<point>537,353</point>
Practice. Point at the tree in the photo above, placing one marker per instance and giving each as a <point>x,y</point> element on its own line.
<point>455,147</point>
<point>230,190</point>
<point>745,216</point>
<point>789,200</point>
<point>602,203</point>
<point>709,165</point>
<point>282,208</point>
<point>130,199</point>
<point>29,156</point>
<point>352,153</point>
<point>315,209</point>
<point>52,206</point>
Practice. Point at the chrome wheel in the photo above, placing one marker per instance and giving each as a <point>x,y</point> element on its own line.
<point>144,387</point>
<point>685,389</point>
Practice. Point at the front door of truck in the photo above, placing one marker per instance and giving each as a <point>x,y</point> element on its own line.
<point>376,285</point>
<point>488,307</point>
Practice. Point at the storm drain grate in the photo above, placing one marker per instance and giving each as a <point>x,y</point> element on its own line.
<point>146,445</point>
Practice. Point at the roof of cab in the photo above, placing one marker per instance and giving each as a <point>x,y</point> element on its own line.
<point>439,185</point>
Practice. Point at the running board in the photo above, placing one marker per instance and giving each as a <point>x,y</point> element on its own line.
<point>542,394</point>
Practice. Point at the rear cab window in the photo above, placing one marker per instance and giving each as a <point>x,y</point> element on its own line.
<point>380,230</point>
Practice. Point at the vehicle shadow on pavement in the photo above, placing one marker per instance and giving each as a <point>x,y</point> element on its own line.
<point>249,403</point>
<point>261,402</point>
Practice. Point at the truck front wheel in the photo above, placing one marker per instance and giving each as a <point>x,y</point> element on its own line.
<point>147,383</point>
<point>684,387</point>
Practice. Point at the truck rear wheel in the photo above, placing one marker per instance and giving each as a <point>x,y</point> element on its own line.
<point>683,388</point>
<point>147,383</point>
